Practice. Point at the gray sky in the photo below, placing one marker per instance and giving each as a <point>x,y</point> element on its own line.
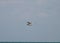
<point>44,15</point>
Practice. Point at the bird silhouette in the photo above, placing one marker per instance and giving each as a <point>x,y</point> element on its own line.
<point>29,23</point>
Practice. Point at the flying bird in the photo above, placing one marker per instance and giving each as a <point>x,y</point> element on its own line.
<point>29,23</point>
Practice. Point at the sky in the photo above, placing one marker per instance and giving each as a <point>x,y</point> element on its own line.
<point>44,15</point>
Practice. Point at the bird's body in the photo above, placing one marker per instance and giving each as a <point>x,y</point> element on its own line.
<point>29,23</point>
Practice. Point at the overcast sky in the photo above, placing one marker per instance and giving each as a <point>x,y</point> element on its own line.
<point>44,15</point>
